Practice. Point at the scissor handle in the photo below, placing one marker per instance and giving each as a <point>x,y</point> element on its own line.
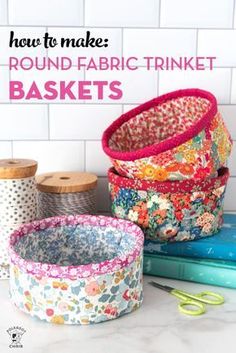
<point>206,297</point>
<point>211,298</point>
<point>200,307</point>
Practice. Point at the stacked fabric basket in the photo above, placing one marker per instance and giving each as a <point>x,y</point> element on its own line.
<point>169,173</point>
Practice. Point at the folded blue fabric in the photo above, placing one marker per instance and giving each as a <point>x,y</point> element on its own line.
<point>220,246</point>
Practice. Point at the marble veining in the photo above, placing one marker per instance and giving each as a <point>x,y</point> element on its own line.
<point>157,327</point>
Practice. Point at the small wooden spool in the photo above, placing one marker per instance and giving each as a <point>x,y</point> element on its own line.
<point>17,168</point>
<point>66,182</point>
<point>66,193</point>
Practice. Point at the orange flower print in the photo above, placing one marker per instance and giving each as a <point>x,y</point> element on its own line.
<point>161,174</point>
<point>56,284</point>
<point>143,219</point>
<point>148,171</point>
<point>161,213</point>
<point>88,306</point>
<point>64,286</point>
<point>28,306</point>
<point>59,285</point>
<point>214,123</point>
<point>160,216</point>
<point>207,145</point>
<point>57,319</point>
<point>160,220</point>
<point>84,320</point>
<point>186,169</point>
<point>210,165</point>
<point>173,167</point>
<point>141,209</point>
<point>92,288</point>
<point>181,201</point>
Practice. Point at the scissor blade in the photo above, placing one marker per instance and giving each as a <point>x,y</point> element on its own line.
<point>160,286</point>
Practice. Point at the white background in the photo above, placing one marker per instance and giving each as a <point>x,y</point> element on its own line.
<point>67,136</point>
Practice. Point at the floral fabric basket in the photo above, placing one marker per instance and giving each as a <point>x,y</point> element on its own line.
<point>77,269</point>
<point>171,210</point>
<point>179,135</point>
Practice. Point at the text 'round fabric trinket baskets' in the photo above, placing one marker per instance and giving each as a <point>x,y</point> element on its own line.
<point>77,269</point>
<point>18,202</point>
<point>179,135</point>
<point>170,210</point>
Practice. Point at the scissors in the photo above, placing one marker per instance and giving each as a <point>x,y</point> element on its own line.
<point>197,301</point>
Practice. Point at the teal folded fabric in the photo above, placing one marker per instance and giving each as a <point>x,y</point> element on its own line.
<point>214,272</point>
<point>220,246</point>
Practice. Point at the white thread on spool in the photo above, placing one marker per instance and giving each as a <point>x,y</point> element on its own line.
<point>65,193</point>
<point>18,201</point>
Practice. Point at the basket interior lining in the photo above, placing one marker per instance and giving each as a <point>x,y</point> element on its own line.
<point>74,245</point>
<point>159,123</point>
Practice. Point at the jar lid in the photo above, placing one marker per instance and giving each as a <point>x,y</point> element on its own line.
<point>17,168</point>
<point>66,182</point>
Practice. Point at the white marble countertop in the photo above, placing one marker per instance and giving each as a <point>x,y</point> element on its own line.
<point>157,327</point>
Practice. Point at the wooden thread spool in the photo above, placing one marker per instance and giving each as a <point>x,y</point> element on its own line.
<point>18,202</point>
<point>66,193</point>
<point>17,168</point>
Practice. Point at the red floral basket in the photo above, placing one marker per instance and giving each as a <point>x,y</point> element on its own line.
<point>170,210</point>
<point>179,135</point>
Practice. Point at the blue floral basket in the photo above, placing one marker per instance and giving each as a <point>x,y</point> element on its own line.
<point>77,269</point>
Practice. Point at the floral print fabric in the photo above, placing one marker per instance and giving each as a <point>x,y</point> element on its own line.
<point>159,123</point>
<point>80,301</point>
<point>77,269</point>
<point>74,245</point>
<point>170,215</point>
<point>31,263</point>
<point>137,140</point>
<point>198,158</point>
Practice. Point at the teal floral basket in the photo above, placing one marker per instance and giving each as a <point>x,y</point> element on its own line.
<point>171,210</point>
<point>77,269</point>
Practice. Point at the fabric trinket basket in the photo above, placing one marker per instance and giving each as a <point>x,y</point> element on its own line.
<point>179,135</point>
<point>77,269</point>
<point>170,210</point>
